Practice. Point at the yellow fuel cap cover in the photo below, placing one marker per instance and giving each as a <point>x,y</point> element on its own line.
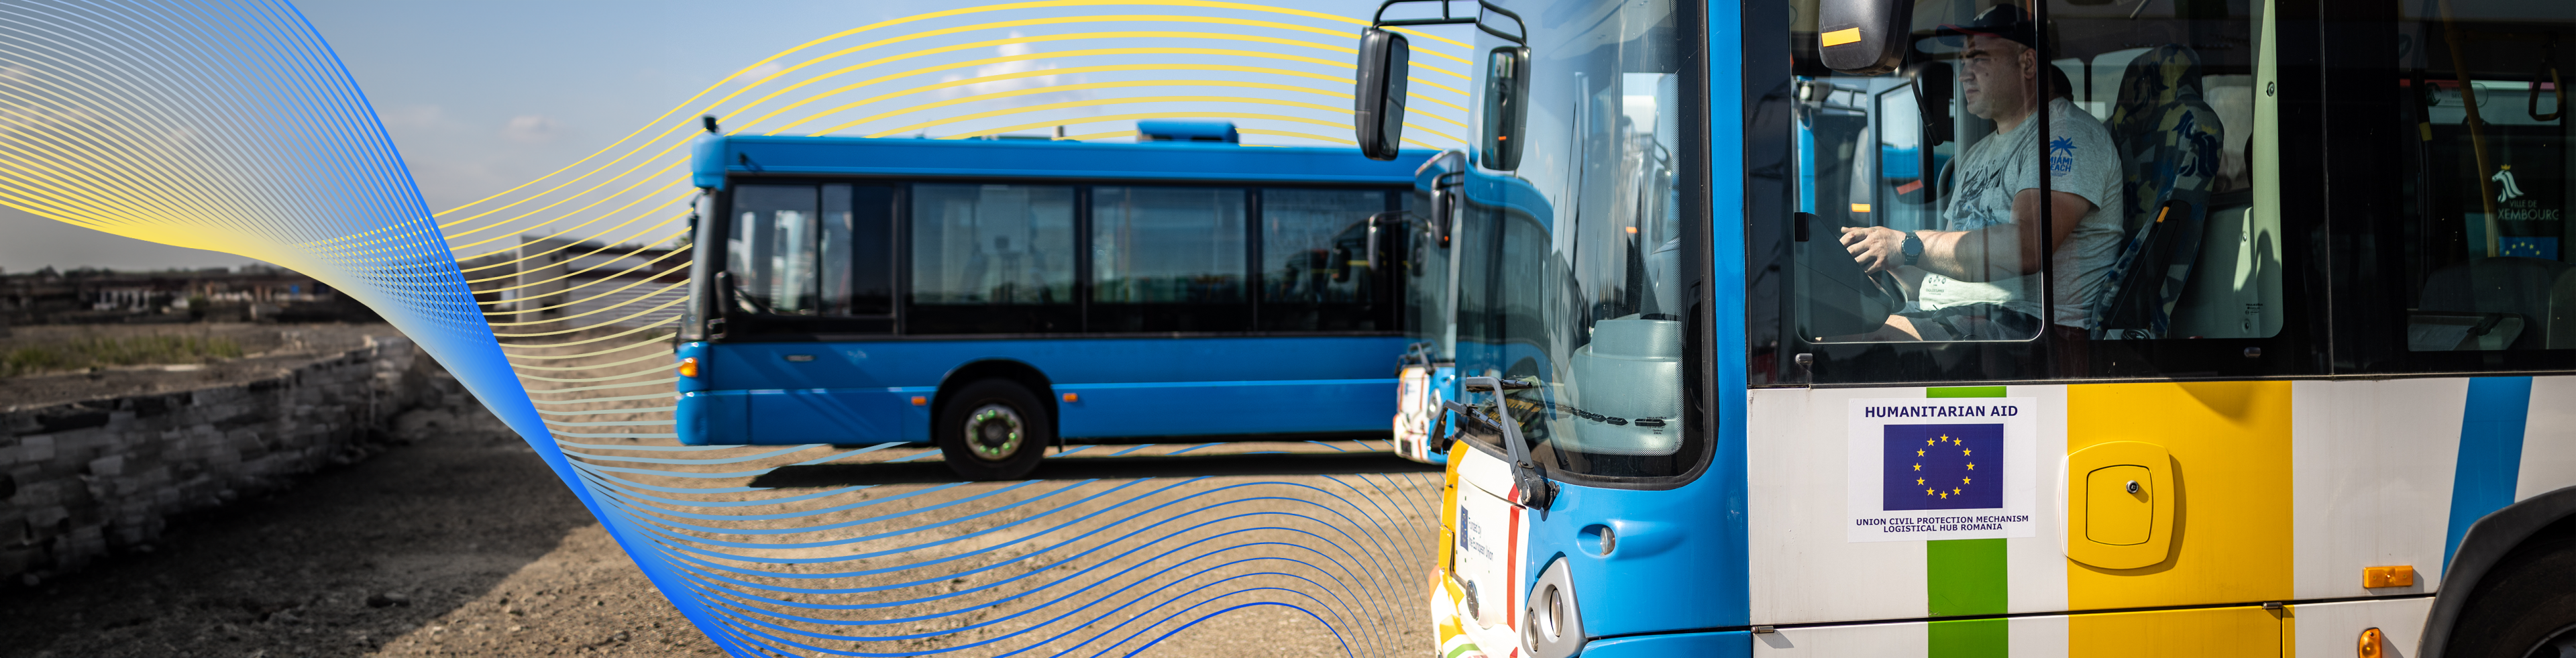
<point>2118,500</point>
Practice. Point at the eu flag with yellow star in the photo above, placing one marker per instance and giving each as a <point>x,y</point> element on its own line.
<point>1944,467</point>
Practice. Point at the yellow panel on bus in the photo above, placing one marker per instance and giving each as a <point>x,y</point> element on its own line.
<point>2229,444</point>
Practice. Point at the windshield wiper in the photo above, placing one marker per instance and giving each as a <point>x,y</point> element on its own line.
<point>1530,486</point>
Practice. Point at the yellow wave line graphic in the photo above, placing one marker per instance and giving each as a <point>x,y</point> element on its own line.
<point>693,99</point>
<point>663,339</point>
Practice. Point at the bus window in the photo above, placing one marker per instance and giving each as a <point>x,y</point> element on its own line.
<point>1167,259</point>
<point>1314,270</point>
<point>992,259</point>
<point>1904,163</point>
<point>772,252</point>
<point>2025,199</point>
<point>857,259</point>
<point>2486,190</point>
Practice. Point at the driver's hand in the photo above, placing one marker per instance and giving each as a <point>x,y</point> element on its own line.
<point>1876,248</point>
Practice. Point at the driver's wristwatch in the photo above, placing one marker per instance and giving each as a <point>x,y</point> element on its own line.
<point>1913,248</point>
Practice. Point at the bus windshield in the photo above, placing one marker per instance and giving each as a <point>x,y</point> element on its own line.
<point>1569,267</point>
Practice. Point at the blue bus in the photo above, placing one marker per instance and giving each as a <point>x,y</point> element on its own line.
<point>999,296</point>
<point>1970,328</point>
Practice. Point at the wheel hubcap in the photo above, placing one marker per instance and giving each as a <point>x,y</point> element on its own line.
<point>994,432</point>
<point>2559,645</point>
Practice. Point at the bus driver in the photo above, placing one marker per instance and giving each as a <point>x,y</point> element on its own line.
<point>1976,279</point>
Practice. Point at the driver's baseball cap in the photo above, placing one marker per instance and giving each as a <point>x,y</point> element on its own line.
<point>2004,21</point>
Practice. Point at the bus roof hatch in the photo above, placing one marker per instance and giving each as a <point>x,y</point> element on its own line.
<point>1187,130</point>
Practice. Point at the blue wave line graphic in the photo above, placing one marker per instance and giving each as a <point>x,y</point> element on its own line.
<point>231,125</point>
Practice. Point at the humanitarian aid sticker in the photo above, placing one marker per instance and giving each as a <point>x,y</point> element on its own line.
<point>1943,468</point>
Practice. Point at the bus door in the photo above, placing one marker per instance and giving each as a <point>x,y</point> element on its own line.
<point>793,262</point>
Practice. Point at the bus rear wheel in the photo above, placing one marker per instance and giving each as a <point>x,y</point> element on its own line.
<point>993,429</point>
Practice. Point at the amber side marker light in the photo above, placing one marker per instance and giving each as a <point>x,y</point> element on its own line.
<point>2370,641</point>
<point>2396,576</point>
<point>1069,397</point>
<point>920,401</point>
<point>689,367</point>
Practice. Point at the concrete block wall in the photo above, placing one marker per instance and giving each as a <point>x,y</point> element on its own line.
<point>85,479</point>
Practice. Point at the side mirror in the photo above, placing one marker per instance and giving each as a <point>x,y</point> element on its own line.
<point>719,319</point>
<point>1386,220</point>
<point>1506,106</point>
<point>1377,112</point>
<point>1445,189</point>
<point>1863,37</point>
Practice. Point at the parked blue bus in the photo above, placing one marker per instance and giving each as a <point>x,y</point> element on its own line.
<point>999,296</point>
<point>1970,328</point>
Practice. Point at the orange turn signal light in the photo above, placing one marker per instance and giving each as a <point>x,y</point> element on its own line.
<point>1069,397</point>
<point>2370,644</point>
<point>2396,576</point>
<point>689,367</point>
<point>920,401</point>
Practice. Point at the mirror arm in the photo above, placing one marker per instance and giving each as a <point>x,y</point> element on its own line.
<point>1379,20</point>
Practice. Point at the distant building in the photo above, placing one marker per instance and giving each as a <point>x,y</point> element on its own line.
<point>249,293</point>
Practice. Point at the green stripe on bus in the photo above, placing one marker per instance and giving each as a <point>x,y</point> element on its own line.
<point>1964,577</point>
<point>1969,638</point>
<point>1964,392</point>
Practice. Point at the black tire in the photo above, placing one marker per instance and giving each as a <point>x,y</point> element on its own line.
<point>993,429</point>
<point>2528,600</point>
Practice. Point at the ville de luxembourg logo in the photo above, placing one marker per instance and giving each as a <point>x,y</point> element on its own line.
<point>1945,468</point>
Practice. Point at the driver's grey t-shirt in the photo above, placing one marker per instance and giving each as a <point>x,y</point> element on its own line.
<point>2081,161</point>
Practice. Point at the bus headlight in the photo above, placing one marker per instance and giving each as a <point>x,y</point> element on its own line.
<point>1551,625</point>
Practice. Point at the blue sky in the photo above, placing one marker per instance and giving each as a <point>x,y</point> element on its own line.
<point>481,95</point>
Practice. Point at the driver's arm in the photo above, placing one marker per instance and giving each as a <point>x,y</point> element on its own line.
<point>1969,255</point>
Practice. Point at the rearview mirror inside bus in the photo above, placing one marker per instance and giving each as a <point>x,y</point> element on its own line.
<point>1863,37</point>
<point>1506,106</point>
<point>1377,113</point>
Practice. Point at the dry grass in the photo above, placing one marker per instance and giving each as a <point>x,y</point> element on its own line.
<point>83,353</point>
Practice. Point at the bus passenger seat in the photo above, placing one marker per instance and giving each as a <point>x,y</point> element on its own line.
<point>2170,143</point>
<point>2527,288</point>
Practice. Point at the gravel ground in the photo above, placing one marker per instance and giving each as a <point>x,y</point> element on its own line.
<point>463,543</point>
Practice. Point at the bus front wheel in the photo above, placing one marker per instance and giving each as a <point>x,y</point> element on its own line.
<point>2525,607</point>
<point>993,429</point>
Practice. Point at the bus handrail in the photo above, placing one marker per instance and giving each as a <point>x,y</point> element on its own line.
<point>2531,102</point>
